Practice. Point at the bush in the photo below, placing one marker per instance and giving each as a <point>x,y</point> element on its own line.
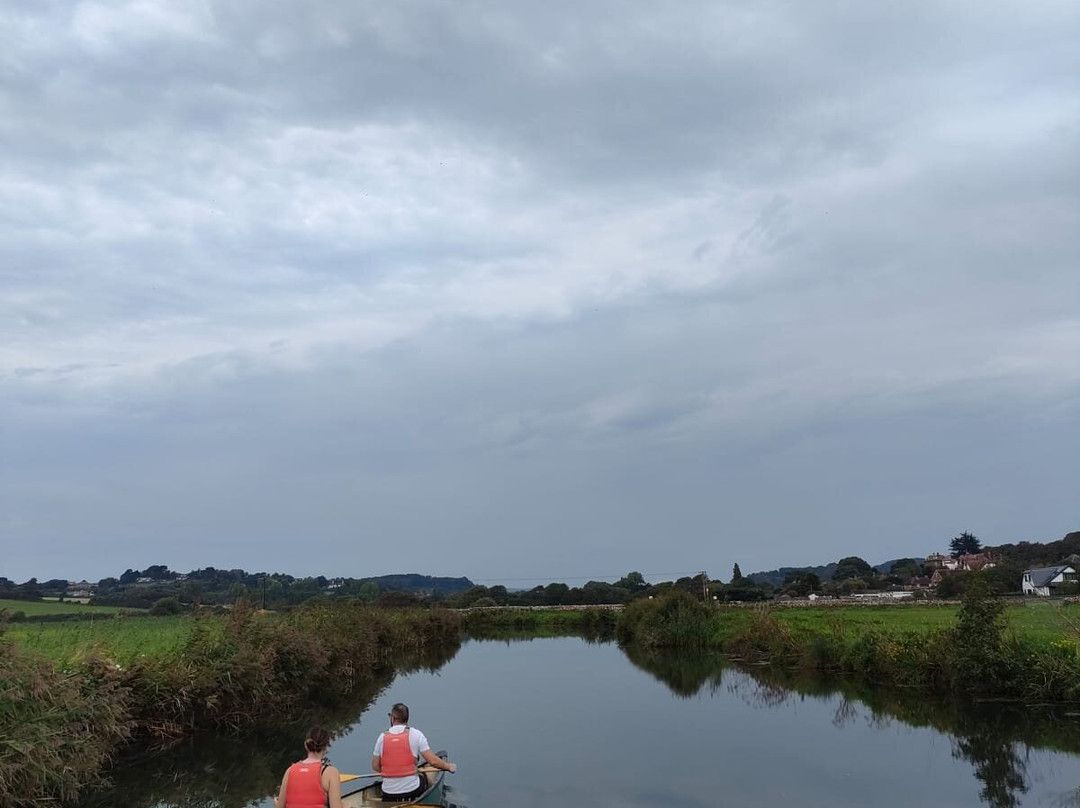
<point>978,660</point>
<point>676,619</point>
<point>165,606</point>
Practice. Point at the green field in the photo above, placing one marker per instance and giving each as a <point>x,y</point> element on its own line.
<point>1037,620</point>
<point>38,607</point>
<point>121,639</point>
<point>125,638</point>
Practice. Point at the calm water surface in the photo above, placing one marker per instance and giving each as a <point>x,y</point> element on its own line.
<point>561,722</point>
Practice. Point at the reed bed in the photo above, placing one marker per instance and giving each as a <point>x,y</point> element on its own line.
<point>494,622</point>
<point>74,697</point>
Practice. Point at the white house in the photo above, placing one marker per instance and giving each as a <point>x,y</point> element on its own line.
<point>1044,581</point>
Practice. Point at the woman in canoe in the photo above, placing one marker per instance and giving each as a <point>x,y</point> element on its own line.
<point>312,782</point>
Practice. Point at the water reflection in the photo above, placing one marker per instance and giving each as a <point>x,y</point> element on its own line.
<point>686,675</point>
<point>774,752</point>
<point>212,770</point>
<point>995,739</point>
<point>513,635</point>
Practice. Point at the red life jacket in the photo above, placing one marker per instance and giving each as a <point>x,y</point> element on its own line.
<point>304,789</point>
<point>397,759</point>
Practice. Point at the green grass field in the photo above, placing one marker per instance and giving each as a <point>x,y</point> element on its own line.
<point>1036,620</point>
<point>121,639</point>
<point>35,607</point>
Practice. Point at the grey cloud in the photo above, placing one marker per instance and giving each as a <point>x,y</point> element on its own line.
<point>745,282</point>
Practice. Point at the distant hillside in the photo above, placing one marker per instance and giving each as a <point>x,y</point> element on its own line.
<point>775,578</point>
<point>1028,554</point>
<point>427,584</point>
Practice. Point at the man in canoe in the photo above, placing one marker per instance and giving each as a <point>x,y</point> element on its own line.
<point>396,754</point>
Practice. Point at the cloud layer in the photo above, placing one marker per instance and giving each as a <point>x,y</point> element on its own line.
<point>515,292</point>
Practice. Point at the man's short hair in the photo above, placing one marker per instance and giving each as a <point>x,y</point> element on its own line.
<point>400,712</point>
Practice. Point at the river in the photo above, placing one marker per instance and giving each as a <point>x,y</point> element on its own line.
<point>565,722</point>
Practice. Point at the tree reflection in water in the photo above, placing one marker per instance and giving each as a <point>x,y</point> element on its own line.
<point>998,766</point>
<point>996,740</point>
<point>218,771</point>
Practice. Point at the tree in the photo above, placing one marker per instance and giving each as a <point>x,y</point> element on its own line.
<point>852,567</point>
<point>736,574</point>
<point>192,590</point>
<point>469,597</point>
<point>303,589</point>
<point>964,544</point>
<point>397,599</point>
<point>744,589</point>
<point>905,568</point>
<point>275,591</point>
<point>368,591</point>
<point>953,585</point>
<point>555,594</point>
<point>849,585</point>
<point>633,581</point>
<point>165,606</point>
<point>800,583</point>
<point>29,590</point>
<point>1004,578</point>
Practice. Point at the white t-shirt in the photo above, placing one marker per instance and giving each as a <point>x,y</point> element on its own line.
<point>418,743</point>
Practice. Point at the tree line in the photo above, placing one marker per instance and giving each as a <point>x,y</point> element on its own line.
<point>159,587</point>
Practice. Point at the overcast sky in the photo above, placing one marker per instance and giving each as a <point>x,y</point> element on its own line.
<point>544,291</point>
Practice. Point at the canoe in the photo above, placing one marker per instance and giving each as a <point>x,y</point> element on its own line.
<point>371,793</point>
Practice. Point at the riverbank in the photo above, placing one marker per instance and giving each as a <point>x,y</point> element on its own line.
<point>232,673</point>
<point>980,650</point>
<point>496,623</point>
<point>78,693</point>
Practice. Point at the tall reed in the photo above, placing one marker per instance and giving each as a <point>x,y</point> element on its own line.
<point>60,726</point>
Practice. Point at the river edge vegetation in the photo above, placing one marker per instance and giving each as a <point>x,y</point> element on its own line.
<point>979,650</point>
<point>64,719</point>
<point>163,679</point>
<point>985,652</point>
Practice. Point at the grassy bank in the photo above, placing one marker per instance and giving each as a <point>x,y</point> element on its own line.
<point>73,699</point>
<point>37,608</point>
<point>979,650</point>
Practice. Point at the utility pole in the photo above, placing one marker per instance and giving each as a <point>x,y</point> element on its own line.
<point>704,586</point>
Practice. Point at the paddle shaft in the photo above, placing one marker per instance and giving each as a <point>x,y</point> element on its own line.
<point>422,770</point>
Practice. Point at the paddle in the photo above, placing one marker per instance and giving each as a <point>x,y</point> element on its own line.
<point>345,778</point>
